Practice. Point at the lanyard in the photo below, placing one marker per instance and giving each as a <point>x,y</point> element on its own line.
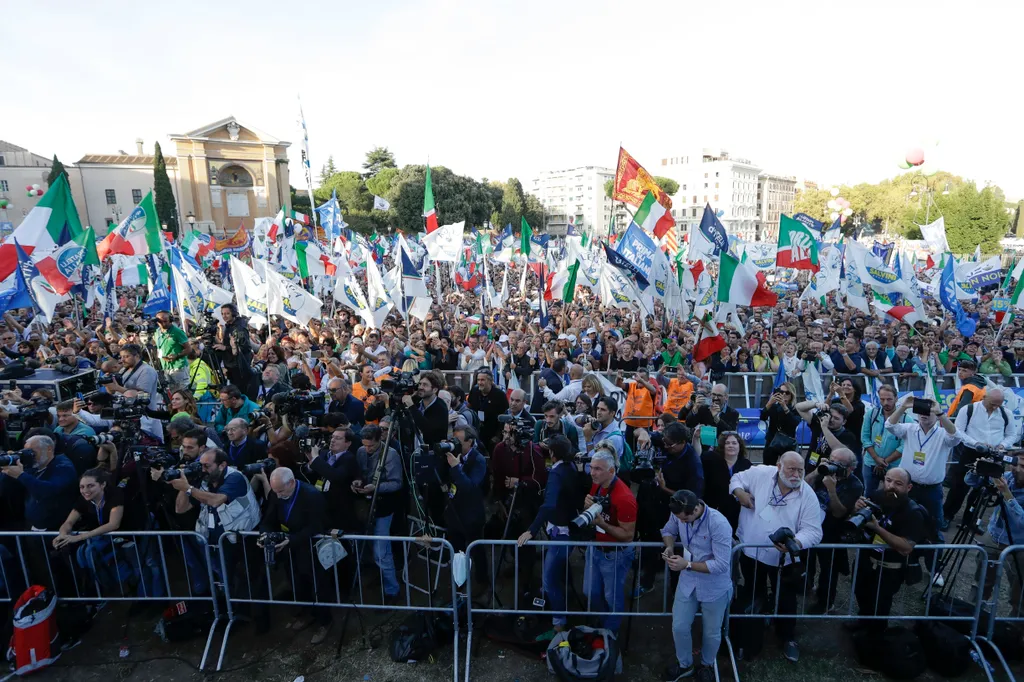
<point>291,503</point>
<point>235,450</point>
<point>696,529</point>
<point>924,442</point>
<point>775,500</point>
<point>99,512</point>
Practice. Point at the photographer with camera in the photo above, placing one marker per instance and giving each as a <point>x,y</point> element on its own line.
<point>605,427</point>
<point>1005,526</point>
<point>46,480</point>
<point>344,402</point>
<point>465,512</point>
<point>138,375</point>
<point>673,464</point>
<point>560,507</point>
<point>984,426</point>
<point>387,488</point>
<point>828,430</point>
<point>704,577</point>
<point>715,413</point>
<point>233,347</point>
<point>894,524</point>
<point>172,348</point>
<point>488,402</point>
<point>612,508</point>
<point>837,488</point>
<point>233,405</point>
<point>293,514</point>
<point>243,450</point>
<point>786,515</point>
<point>556,423</point>
<point>428,414</point>
<point>333,470</point>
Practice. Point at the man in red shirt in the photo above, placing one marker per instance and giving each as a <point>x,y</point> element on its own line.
<point>609,563</point>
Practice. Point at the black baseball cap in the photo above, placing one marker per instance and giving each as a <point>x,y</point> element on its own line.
<point>683,502</point>
<point>967,364</point>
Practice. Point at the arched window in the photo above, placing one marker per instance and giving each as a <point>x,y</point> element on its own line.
<point>234,176</point>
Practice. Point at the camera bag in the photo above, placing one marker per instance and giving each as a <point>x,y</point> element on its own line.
<point>897,653</point>
<point>582,653</point>
<point>947,651</point>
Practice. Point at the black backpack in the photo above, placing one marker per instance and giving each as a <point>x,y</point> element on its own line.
<point>414,640</point>
<point>184,620</point>
<point>897,653</point>
<point>747,634</point>
<point>947,651</point>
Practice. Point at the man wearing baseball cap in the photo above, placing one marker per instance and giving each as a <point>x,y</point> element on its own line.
<point>703,563</point>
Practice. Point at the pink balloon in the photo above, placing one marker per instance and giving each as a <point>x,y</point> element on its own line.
<point>915,157</point>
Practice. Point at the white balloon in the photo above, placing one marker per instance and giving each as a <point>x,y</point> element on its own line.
<point>833,204</point>
<point>847,211</point>
<point>834,215</point>
<point>834,191</point>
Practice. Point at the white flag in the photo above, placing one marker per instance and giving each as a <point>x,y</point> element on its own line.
<point>380,203</point>
<point>420,307</point>
<point>250,292</point>
<point>445,243</point>
<point>377,295</point>
<point>289,300</point>
<point>935,234</point>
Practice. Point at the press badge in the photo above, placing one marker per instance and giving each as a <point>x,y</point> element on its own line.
<point>813,459</point>
<point>284,529</point>
<point>919,458</point>
<point>766,514</point>
<point>878,439</point>
<point>211,522</point>
<point>877,540</point>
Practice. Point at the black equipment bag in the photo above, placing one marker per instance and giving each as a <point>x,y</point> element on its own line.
<point>897,653</point>
<point>184,620</point>
<point>747,634</point>
<point>947,651</point>
<point>414,640</point>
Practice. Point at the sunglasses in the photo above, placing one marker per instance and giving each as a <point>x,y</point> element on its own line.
<point>786,392</point>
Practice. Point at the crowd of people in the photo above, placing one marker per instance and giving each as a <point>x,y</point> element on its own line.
<point>295,432</point>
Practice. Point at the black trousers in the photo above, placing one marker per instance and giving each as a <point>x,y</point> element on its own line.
<point>309,582</point>
<point>875,588</point>
<point>958,489</point>
<point>757,578</point>
<point>831,563</point>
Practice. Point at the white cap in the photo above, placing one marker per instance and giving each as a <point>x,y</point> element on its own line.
<point>503,338</point>
<point>590,331</point>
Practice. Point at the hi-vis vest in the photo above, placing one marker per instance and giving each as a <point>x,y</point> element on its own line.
<point>639,402</point>
<point>974,393</point>
<point>241,513</point>
<point>679,392</point>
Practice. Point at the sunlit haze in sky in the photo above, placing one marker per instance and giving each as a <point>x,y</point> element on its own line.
<point>834,92</point>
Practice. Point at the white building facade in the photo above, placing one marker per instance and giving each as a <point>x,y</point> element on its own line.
<point>711,176</point>
<point>576,195</point>
<point>776,195</point>
<point>19,168</point>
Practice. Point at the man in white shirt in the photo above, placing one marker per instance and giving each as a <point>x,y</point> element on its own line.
<point>926,449</point>
<point>570,392</point>
<point>473,356</point>
<point>982,425</point>
<point>775,497</point>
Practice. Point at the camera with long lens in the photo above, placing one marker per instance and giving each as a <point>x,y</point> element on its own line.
<point>991,463</point>
<point>787,538</point>
<point>309,436</point>
<point>404,384</point>
<point>853,528</point>
<point>522,430</point>
<point>587,516</point>
<point>270,542</point>
<point>205,328</point>
<point>263,466</point>
<point>648,459</point>
<point>125,408</point>
<point>58,364</point>
<point>298,402</point>
<point>104,379</point>
<point>25,457</point>
<point>822,414</point>
<point>104,438</point>
<point>151,456</point>
<point>192,472</point>
<point>828,468</point>
<point>430,463</point>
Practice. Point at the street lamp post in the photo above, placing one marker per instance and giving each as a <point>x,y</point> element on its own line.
<point>191,219</point>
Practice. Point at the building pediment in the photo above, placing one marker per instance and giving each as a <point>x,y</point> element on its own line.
<point>230,130</point>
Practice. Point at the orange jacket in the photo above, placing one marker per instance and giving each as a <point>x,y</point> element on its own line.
<point>639,401</point>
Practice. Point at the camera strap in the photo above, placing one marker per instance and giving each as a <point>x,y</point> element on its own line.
<point>126,378</point>
<point>291,503</point>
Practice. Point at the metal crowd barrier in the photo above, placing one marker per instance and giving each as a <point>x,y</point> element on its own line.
<point>1006,609</point>
<point>299,579</point>
<point>911,603</point>
<point>121,566</point>
<point>506,553</point>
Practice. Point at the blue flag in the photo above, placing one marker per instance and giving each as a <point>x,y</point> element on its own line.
<point>810,223</point>
<point>947,295</point>
<point>110,306</point>
<point>780,376</point>
<point>833,232</point>
<point>622,263</point>
<point>17,296</point>
<point>330,217</point>
<point>712,228</point>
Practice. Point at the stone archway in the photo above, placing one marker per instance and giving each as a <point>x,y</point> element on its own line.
<point>234,176</point>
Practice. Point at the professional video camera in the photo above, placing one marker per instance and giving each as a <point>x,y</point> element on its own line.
<point>427,461</point>
<point>147,456</point>
<point>853,530</point>
<point>786,537</point>
<point>37,407</point>
<point>828,468</point>
<point>13,457</point>
<point>647,459</point>
<point>192,471</point>
<point>59,365</point>
<point>105,379</point>
<point>297,402</point>
<point>404,384</point>
<point>992,463</point>
<point>205,328</point>
<point>270,541</point>
<point>587,516</point>
<point>126,408</point>
<point>264,465</point>
<point>522,429</point>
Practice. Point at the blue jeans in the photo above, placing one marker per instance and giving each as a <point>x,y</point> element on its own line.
<point>382,556</point>
<point>555,560</point>
<point>111,565</point>
<point>604,580</point>
<point>684,610</point>
<point>871,482</point>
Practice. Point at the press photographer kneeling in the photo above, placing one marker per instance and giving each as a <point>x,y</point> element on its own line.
<point>889,519</point>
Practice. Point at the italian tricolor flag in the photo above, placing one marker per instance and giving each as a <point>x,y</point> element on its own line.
<point>709,342</point>
<point>740,283</point>
<point>429,210</point>
<point>130,274</point>
<point>197,245</point>
<point>654,217</point>
<point>137,235</point>
<point>798,249</point>
<point>312,260</point>
<point>903,313</point>
<point>525,237</point>
<point>279,219</point>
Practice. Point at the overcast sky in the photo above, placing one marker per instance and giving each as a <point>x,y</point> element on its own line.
<point>828,91</point>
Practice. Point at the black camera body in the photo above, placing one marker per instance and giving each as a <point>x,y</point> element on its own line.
<point>647,460</point>
<point>152,456</point>
<point>522,429</point>
<point>126,409</point>
<point>854,524</point>
<point>404,384</point>
<point>786,537</point>
<point>270,542</point>
<point>26,457</point>
<point>266,466</point>
<point>297,402</point>
<point>828,468</point>
<point>430,463</point>
<point>192,471</point>
<point>992,464</point>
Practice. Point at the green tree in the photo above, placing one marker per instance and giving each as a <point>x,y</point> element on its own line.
<point>377,159</point>
<point>56,170</point>
<point>163,195</point>
<point>328,169</point>
<point>380,184</point>
<point>1017,226</point>
<point>352,192</point>
<point>667,185</point>
<point>300,200</point>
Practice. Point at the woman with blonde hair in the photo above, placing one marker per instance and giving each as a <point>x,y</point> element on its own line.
<point>591,386</point>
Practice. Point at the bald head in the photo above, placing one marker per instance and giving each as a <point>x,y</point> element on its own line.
<point>282,482</point>
<point>993,399</point>
<point>516,401</point>
<point>575,372</point>
<point>844,457</point>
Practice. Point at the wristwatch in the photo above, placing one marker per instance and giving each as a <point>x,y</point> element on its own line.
<point>189,491</point>
<point>689,564</point>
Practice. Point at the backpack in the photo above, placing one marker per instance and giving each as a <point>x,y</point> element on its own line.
<point>970,412</point>
<point>627,452</point>
<point>183,621</point>
<point>414,640</point>
<point>897,653</point>
<point>947,651</point>
<point>583,653</point>
<point>34,644</point>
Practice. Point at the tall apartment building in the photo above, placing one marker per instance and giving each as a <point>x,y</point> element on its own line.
<point>776,195</point>
<point>577,194</point>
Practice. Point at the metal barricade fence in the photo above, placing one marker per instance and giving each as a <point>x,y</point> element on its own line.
<point>868,581</point>
<point>498,554</point>
<point>298,578</point>
<point>153,566</point>
<point>1006,605</point>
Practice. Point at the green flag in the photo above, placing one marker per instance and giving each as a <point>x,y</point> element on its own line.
<point>569,291</point>
<point>526,234</point>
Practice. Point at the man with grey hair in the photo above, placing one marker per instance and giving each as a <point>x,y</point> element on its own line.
<point>615,522</point>
<point>714,412</point>
<point>517,407</point>
<point>779,499</point>
<point>242,449</point>
<point>270,384</point>
<point>297,510</point>
<point>837,488</point>
<point>570,391</point>
<point>49,483</point>
<point>343,401</point>
<point>902,360</point>
<point>872,363</point>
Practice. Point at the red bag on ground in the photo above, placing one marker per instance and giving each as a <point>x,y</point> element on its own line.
<point>34,642</point>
